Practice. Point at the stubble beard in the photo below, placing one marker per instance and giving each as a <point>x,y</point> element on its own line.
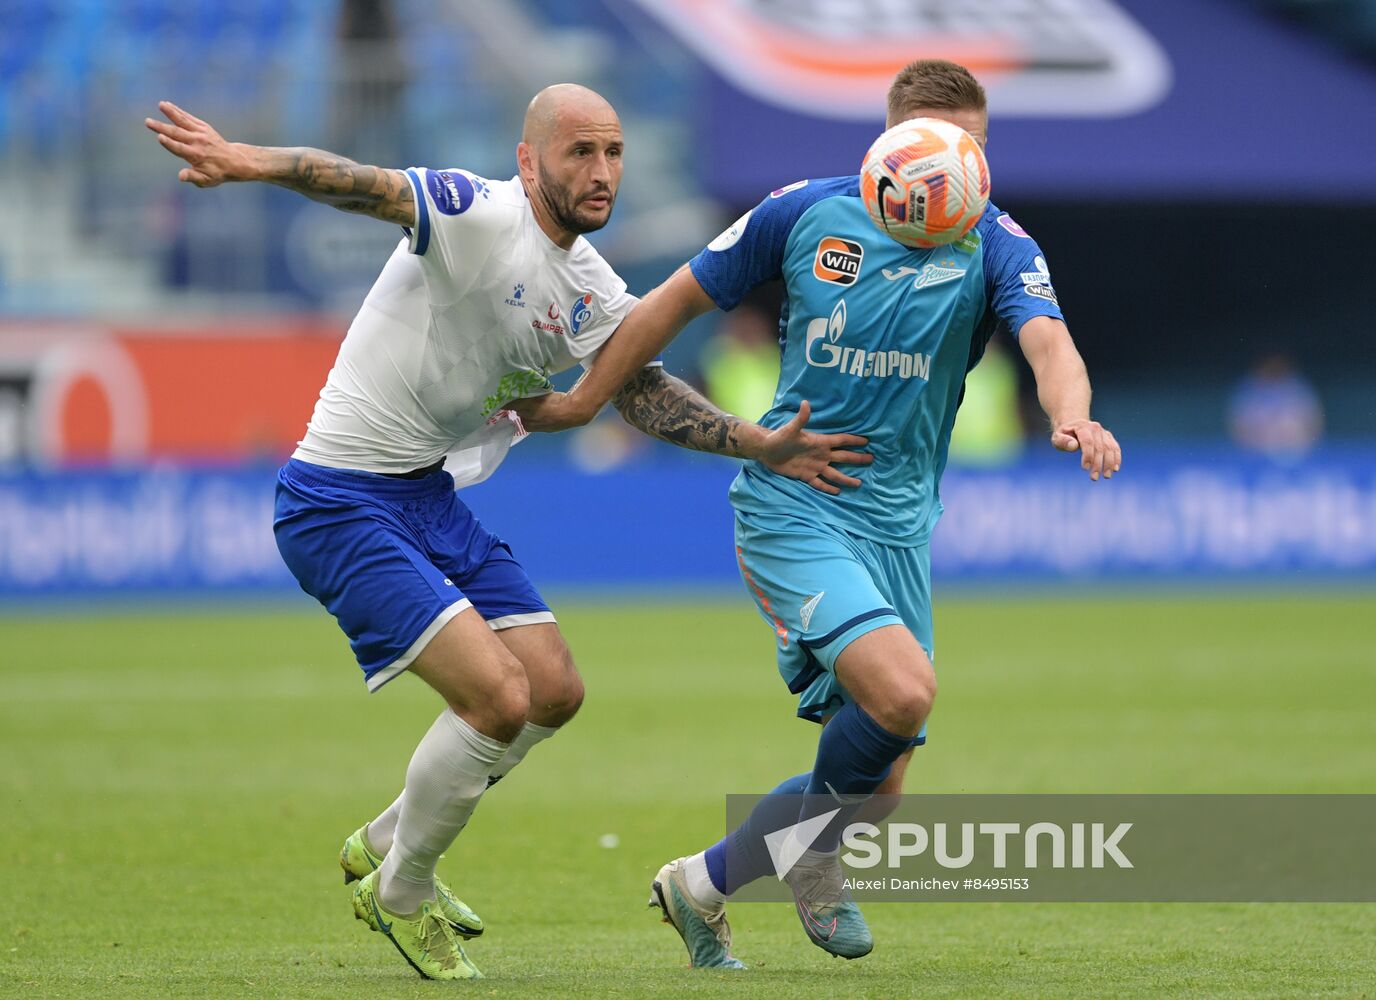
<point>563,209</point>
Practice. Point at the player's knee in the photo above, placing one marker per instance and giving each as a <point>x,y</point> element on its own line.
<point>508,702</point>
<point>568,699</point>
<point>556,690</point>
<point>910,701</point>
<point>512,704</point>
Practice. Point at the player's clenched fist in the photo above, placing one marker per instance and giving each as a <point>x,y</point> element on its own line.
<point>212,160</point>
<point>1100,453</point>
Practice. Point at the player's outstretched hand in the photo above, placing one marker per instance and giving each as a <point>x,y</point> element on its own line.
<point>1100,454</point>
<point>212,160</point>
<point>794,451</point>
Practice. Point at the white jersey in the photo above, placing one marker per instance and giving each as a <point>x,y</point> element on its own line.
<point>476,308</point>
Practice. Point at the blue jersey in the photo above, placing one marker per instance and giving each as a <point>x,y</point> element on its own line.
<point>877,336</point>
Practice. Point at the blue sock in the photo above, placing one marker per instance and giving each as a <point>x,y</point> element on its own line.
<point>854,756</point>
<point>741,857</point>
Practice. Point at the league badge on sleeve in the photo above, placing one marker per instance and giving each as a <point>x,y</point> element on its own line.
<point>1006,221</point>
<point>450,190</point>
<point>795,186</point>
<point>731,235</point>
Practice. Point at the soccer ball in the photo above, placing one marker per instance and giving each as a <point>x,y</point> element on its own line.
<point>925,182</point>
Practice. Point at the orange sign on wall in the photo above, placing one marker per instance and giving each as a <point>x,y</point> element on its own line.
<point>215,392</point>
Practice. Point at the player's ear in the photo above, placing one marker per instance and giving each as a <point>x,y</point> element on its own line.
<point>525,160</point>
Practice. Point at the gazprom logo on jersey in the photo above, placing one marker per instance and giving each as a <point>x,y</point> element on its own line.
<point>838,261</point>
<point>580,313</point>
<point>823,351</point>
<point>451,192</point>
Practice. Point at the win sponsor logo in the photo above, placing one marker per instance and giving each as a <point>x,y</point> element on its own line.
<point>838,261</point>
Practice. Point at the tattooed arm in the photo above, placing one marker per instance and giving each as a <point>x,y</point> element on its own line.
<point>668,408</point>
<point>335,180</point>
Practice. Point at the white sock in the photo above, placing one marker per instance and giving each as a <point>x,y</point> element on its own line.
<point>529,735</point>
<point>381,830</point>
<point>700,885</point>
<point>446,777</point>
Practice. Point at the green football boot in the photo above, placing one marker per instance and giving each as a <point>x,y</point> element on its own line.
<point>427,941</point>
<point>705,933</point>
<point>358,859</point>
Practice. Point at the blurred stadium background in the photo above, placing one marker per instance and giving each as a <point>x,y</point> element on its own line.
<point>1201,174</point>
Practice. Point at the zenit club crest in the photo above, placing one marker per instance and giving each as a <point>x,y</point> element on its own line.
<point>838,261</point>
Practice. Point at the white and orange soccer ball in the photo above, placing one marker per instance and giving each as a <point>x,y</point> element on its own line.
<point>925,182</point>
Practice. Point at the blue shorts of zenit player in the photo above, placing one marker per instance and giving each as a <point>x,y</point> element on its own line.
<point>820,588</point>
<point>394,560</point>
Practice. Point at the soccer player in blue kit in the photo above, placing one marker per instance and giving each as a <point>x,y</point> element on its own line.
<point>878,337</point>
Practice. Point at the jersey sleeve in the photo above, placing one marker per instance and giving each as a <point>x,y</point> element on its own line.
<point>751,251</point>
<point>656,362</point>
<point>1017,278</point>
<point>458,223</point>
<point>607,312</point>
<point>592,317</point>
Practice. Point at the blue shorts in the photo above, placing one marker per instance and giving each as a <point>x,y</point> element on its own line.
<point>820,589</point>
<point>394,560</point>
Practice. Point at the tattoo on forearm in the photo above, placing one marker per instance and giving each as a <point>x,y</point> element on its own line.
<point>349,186</point>
<point>670,409</point>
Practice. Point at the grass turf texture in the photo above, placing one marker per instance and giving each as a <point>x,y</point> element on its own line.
<point>175,789</point>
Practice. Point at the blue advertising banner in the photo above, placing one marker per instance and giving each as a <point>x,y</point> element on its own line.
<point>113,532</point>
<point>1210,514</point>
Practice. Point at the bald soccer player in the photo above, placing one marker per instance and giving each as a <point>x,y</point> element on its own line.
<point>492,290</point>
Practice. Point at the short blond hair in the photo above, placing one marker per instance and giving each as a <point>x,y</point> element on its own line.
<point>934,83</point>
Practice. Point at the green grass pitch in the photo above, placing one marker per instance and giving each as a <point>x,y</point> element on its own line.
<point>174,789</point>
